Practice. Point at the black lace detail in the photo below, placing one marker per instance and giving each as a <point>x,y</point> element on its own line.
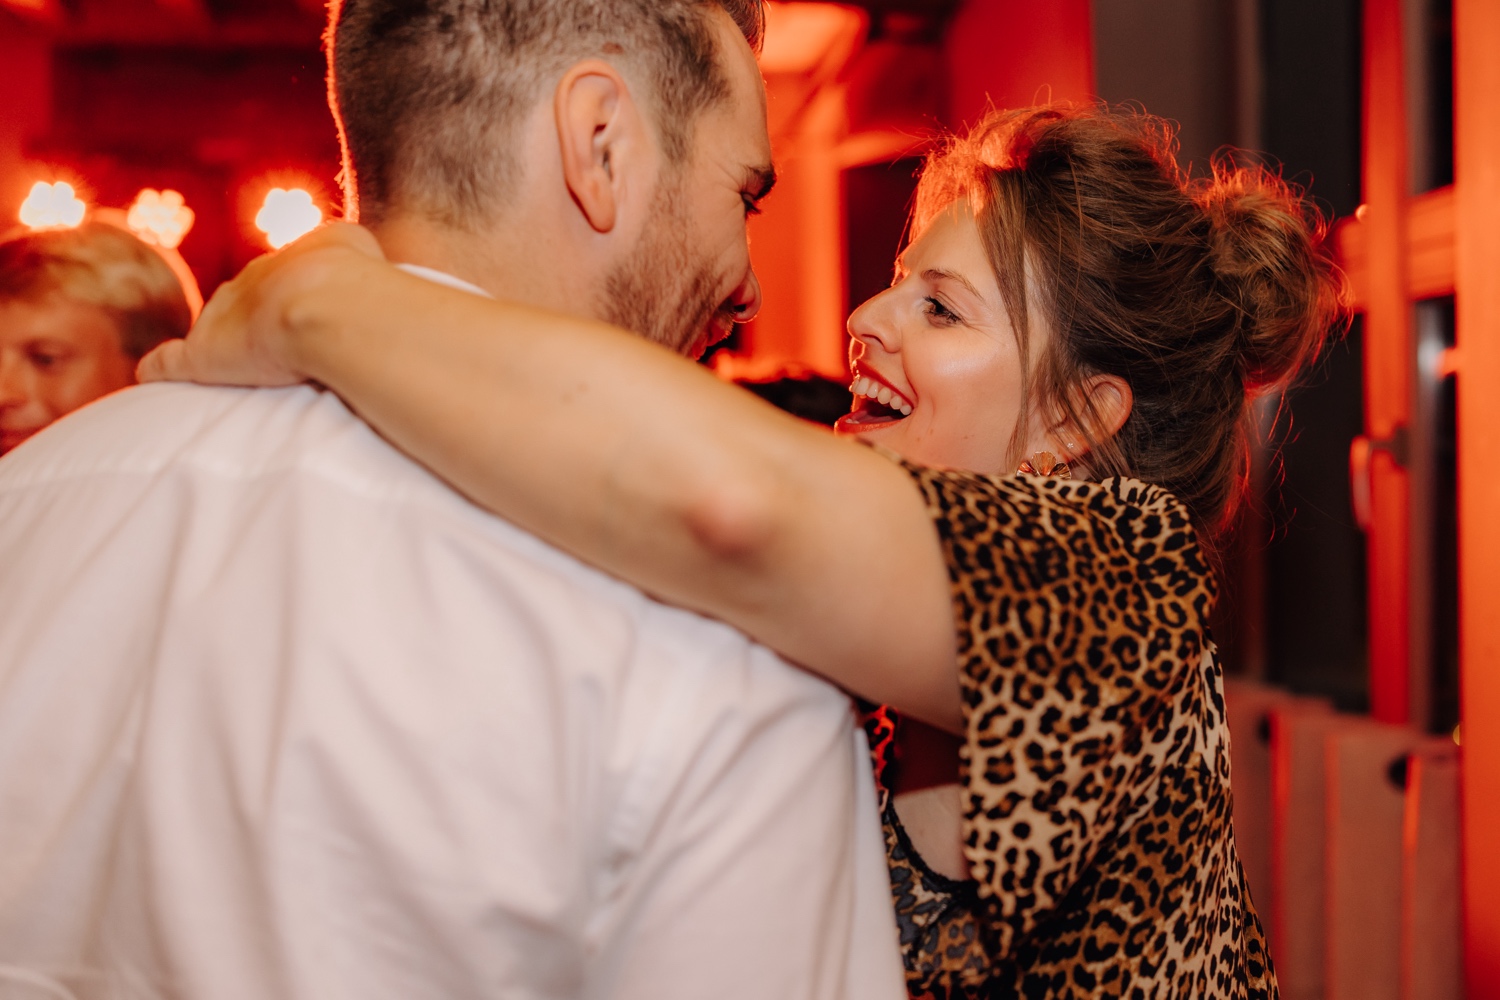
<point>935,915</point>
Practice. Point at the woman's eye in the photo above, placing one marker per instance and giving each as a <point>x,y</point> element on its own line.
<point>937,311</point>
<point>751,208</point>
<point>43,360</point>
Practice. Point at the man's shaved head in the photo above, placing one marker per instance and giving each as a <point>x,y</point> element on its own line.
<point>429,93</point>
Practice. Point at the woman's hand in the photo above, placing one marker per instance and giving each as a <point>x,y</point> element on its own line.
<point>247,332</point>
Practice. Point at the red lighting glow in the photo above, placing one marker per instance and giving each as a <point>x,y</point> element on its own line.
<point>52,206</point>
<point>800,37</point>
<point>160,217</point>
<point>286,215</point>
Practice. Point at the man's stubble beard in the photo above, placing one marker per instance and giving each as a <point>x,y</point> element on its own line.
<point>661,290</point>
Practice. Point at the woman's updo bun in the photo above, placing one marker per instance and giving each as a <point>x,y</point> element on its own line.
<point>1268,247</point>
<point>1199,294</point>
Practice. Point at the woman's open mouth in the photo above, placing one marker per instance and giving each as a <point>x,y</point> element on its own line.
<point>876,404</point>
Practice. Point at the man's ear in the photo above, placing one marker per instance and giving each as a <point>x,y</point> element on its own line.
<point>597,125</point>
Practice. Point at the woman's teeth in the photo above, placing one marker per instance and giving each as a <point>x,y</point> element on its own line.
<point>882,394</point>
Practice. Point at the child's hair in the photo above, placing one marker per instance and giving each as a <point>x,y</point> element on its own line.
<point>100,265</point>
<point>1200,294</point>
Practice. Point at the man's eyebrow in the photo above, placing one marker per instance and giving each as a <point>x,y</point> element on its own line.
<point>935,273</point>
<point>759,181</point>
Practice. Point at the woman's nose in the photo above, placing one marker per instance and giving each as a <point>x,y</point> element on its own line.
<point>873,323</point>
<point>744,301</point>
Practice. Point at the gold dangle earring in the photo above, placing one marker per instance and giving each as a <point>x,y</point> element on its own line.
<point>1044,463</point>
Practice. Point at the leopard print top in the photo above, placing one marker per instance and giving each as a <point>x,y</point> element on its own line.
<point>1096,762</point>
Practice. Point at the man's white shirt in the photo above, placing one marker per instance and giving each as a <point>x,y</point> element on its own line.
<point>283,716</point>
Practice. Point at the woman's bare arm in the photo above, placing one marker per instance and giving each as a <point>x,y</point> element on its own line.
<point>625,454</point>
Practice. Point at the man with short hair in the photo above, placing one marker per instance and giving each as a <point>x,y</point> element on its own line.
<point>283,716</point>
<point>619,125</point>
<point>78,309</point>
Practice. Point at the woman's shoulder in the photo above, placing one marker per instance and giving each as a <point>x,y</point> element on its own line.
<point>1111,521</point>
<point>1145,514</point>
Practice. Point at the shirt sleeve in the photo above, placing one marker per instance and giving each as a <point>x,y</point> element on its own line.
<point>1080,614</point>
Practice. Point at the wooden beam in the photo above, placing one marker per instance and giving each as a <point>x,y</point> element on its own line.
<point>880,146</point>
<point>1476,34</point>
<point>1429,249</point>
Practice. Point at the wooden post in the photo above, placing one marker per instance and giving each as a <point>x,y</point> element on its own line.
<point>1388,360</point>
<point>1476,34</point>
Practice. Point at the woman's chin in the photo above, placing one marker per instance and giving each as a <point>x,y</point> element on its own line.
<point>886,433</point>
<point>916,445</point>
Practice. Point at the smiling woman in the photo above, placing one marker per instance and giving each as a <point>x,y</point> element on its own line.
<point>1068,293</point>
<point>78,309</point>
<point>936,356</point>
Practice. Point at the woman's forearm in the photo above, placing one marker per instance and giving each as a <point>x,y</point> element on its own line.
<point>644,464</point>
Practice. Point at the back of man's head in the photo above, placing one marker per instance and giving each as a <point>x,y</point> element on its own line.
<point>430,93</point>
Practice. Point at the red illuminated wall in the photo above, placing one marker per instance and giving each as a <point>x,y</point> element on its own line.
<point>220,112</point>
<point>25,82</point>
<point>1017,52</point>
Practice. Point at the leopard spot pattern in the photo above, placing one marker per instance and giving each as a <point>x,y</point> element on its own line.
<point>1096,762</point>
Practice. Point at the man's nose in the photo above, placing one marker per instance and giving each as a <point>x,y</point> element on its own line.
<point>12,389</point>
<point>744,301</point>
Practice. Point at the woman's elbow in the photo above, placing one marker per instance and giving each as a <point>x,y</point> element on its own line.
<point>736,520</point>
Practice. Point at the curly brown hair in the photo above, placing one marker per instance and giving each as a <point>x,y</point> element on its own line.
<point>1201,294</point>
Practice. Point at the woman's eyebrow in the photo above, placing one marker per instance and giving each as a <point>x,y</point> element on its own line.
<point>936,273</point>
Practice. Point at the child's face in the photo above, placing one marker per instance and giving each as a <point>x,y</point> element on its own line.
<point>55,356</point>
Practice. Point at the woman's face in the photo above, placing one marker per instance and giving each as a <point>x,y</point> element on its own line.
<point>936,367</point>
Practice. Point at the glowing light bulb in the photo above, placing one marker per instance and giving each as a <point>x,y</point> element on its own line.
<point>52,206</point>
<point>160,217</point>
<point>287,215</point>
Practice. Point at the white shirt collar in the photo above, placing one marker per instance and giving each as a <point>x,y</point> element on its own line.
<point>443,278</point>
